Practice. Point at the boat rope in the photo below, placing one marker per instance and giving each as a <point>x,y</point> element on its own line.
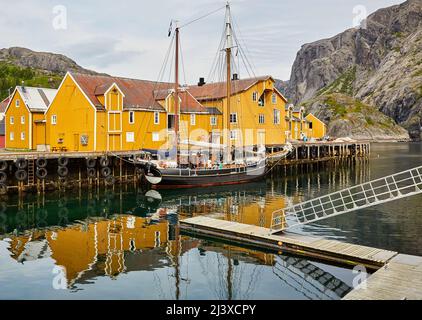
<point>202,17</point>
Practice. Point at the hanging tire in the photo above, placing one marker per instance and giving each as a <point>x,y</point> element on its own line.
<point>3,177</point>
<point>3,165</point>
<point>41,162</point>
<point>21,175</point>
<point>41,173</point>
<point>91,162</point>
<point>110,180</point>
<point>63,161</point>
<point>104,162</point>
<point>3,189</point>
<point>91,172</point>
<point>105,172</point>
<point>21,163</point>
<point>62,171</point>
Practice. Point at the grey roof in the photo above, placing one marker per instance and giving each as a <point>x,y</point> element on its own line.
<point>37,99</point>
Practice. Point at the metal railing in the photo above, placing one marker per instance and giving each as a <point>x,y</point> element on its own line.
<point>397,186</point>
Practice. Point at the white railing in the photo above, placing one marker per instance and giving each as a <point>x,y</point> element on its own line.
<point>400,185</point>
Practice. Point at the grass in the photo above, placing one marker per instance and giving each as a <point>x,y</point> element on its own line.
<point>343,84</point>
<point>12,76</point>
<point>417,74</point>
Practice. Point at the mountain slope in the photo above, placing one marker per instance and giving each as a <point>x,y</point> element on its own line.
<point>380,65</point>
<point>42,69</point>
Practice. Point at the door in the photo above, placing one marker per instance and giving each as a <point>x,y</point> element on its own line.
<point>114,142</point>
<point>76,142</point>
<point>261,138</point>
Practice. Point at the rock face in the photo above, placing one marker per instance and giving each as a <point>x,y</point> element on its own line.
<point>47,62</point>
<point>380,65</point>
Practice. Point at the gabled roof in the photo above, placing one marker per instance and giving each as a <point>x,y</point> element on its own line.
<point>36,99</point>
<point>139,94</point>
<point>3,105</point>
<point>188,104</point>
<point>217,90</point>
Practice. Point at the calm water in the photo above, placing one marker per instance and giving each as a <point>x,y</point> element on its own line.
<point>121,244</point>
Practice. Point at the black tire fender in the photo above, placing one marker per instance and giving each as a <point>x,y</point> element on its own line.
<point>91,162</point>
<point>62,171</point>
<point>63,161</point>
<point>104,162</point>
<point>21,175</point>
<point>3,165</point>
<point>105,172</point>
<point>91,172</point>
<point>21,163</point>
<point>41,173</point>
<point>41,162</point>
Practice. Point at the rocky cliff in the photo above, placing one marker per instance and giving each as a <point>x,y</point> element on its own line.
<point>380,65</point>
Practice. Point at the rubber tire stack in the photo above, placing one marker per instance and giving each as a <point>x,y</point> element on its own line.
<point>62,170</point>
<point>20,174</point>
<point>41,172</point>
<point>3,177</point>
<point>106,172</point>
<point>90,167</point>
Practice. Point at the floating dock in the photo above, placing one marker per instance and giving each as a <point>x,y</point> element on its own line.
<point>396,276</point>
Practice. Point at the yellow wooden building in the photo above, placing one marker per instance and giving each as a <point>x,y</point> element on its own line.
<point>25,127</point>
<point>316,128</point>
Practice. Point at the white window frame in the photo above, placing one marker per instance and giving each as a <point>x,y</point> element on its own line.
<point>261,118</point>
<point>213,120</point>
<point>156,117</point>
<point>274,98</point>
<point>234,115</point>
<point>155,136</point>
<point>277,116</point>
<point>193,119</point>
<point>12,120</point>
<point>254,96</point>
<point>12,136</point>
<point>22,119</point>
<point>54,119</point>
<point>23,135</point>
<point>233,134</point>
<point>131,117</point>
<point>130,137</point>
<point>17,103</point>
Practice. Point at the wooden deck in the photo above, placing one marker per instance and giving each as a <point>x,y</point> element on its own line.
<point>398,276</point>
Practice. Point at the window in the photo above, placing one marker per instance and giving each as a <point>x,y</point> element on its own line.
<point>12,120</point>
<point>233,134</point>
<point>274,98</point>
<point>156,118</point>
<point>261,101</point>
<point>12,136</point>
<point>213,121</point>
<point>22,136</point>
<point>276,116</point>
<point>193,119</point>
<point>131,117</point>
<point>54,119</point>
<point>255,96</point>
<point>155,136</point>
<point>22,119</point>
<point>261,118</point>
<point>130,137</point>
<point>18,103</point>
<point>310,125</point>
<point>233,118</point>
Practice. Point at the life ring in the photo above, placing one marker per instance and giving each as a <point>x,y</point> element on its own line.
<point>3,189</point>
<point>21,163</point>
<point>104,162</point>
<point>41,173</point>
<point>41,162</point>
<point>91,162</point>
<point>91,172</point>
<point>63,161</point>
<point>3,177</point>
<point>3,165</point>
<point>105,172</point>
<point>21,175</point>
<point>62,171</point>
<point>110,180</point>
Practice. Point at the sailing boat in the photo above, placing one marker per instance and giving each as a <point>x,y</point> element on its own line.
<point>228,170</point>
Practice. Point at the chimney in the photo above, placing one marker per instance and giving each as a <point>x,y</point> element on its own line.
<point>235,76</point>
<point>201,82</point>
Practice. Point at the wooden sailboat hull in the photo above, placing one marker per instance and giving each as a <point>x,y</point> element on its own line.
<point>186,178</point>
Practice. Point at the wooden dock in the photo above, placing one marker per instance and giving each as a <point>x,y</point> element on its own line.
<point>397,276</point>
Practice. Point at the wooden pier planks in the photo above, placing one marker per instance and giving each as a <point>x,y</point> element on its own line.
<point>400,278</point>
<point>346,253</point>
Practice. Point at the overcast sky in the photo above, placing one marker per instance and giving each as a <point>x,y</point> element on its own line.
<point>129,37</point>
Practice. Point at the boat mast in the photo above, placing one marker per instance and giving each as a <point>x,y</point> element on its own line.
<point>176,96</point>
<point>229,46</point>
